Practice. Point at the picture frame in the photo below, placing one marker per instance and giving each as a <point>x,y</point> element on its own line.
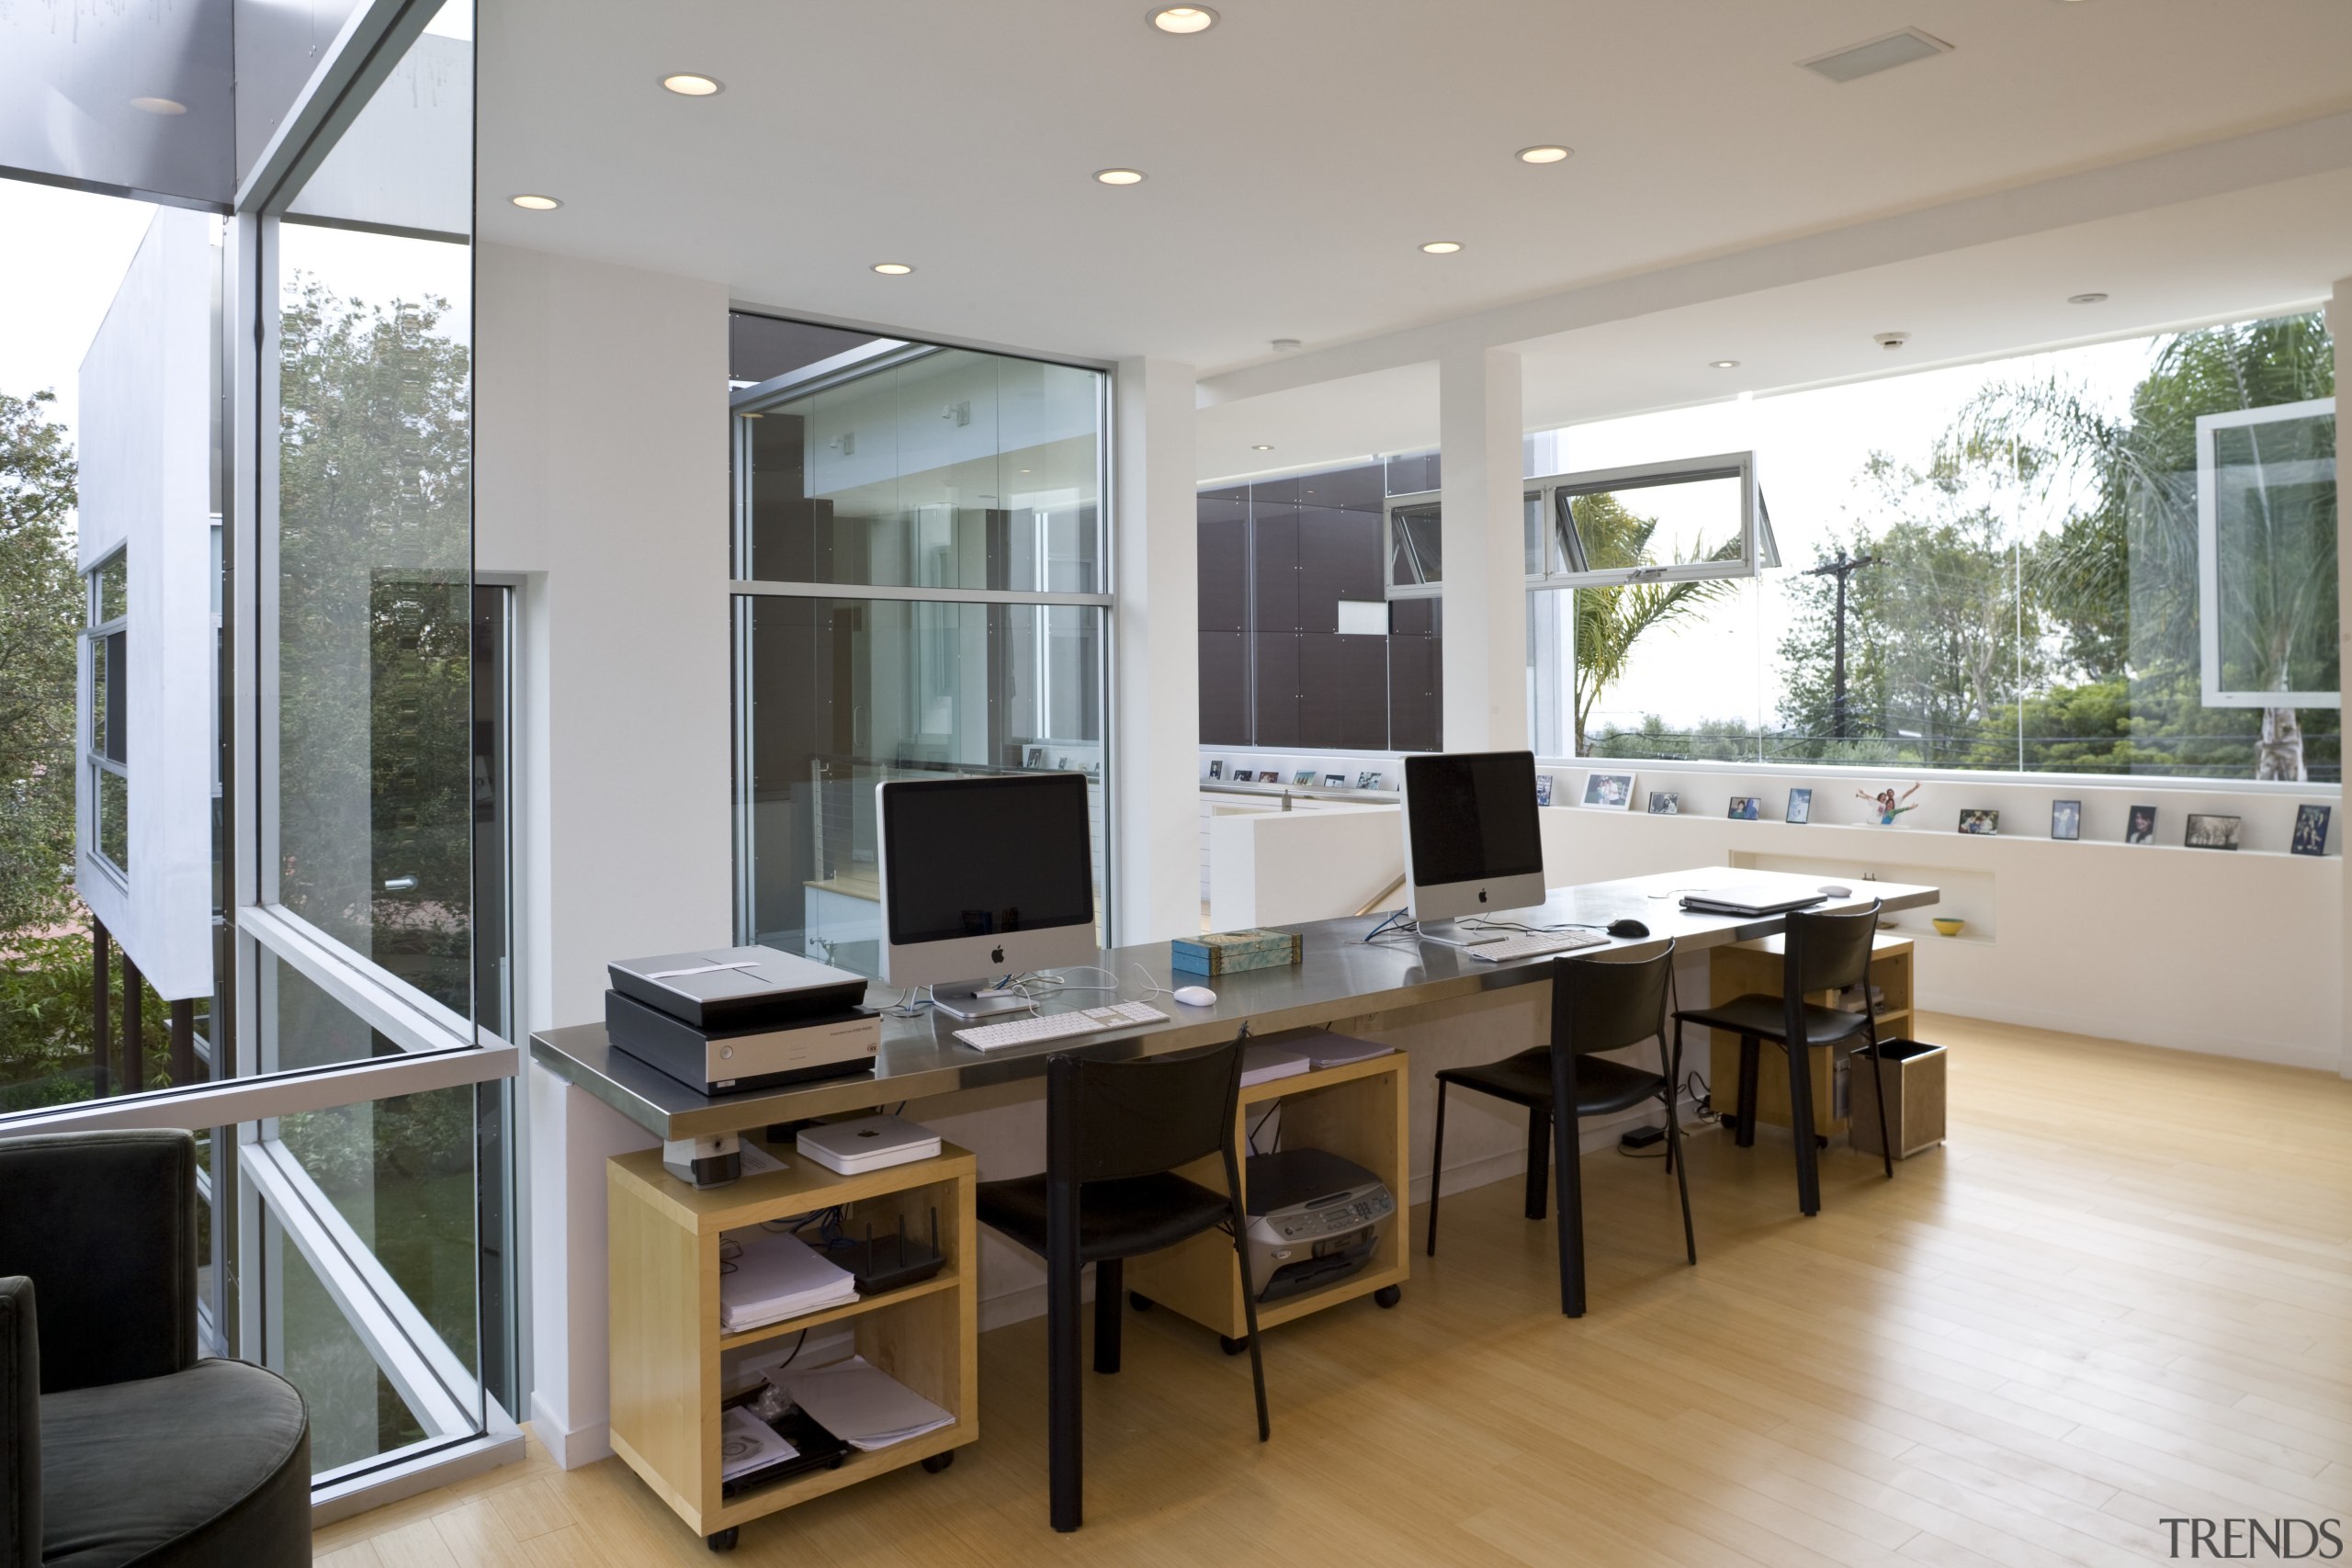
<point>1270,775</point>
<point>1980,821</point>
<point>1800,808</point>
<point>1609,791</point>
<point>1543,789</point>
<point>2067,820</point>
<point>2211,830</point>
<point>1304,777</point>
<point>1747,807</point>
<point>1335,781</point>
<point>1217,770</point>
<point>2310,832</point>
<point>2139,827</point>
<point>1665,803</point>
<point>1035,758</point>
<point>1061,763</point>
<point>1367,781</point>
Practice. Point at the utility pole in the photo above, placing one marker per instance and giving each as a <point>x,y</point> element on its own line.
<point>1844,567</point>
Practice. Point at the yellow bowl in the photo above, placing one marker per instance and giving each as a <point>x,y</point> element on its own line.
<point>1946,926</point>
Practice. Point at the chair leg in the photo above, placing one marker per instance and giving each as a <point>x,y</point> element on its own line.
<point>1878,1086</point>
<point>1747,1053</point>
<point>1437,1164</point>
<point>1064,1393</point>
<point>1539,1154</point>
<point>1681,1171</point>
<point>1570,1227</point>
<point>1108,1297</point>
<point>1250,1317</point>
<point>1671,1059</point>
<point>1800,1056</point>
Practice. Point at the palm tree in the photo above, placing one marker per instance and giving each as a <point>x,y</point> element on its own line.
<point>1609,621</point>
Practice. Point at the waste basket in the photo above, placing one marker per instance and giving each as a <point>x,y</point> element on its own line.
<point>1912,1073</point>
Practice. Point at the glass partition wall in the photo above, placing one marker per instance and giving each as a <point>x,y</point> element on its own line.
<point>275,632</point>
<point>922,590</point>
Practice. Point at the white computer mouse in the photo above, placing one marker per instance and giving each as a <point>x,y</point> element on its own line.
<point>1195,996</point>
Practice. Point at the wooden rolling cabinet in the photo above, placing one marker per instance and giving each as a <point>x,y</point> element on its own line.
<point>666,1343</point>
<point>1357,1111</point>
<point>1749,968</point>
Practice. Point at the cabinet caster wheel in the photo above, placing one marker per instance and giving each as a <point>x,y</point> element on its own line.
<point>1388,1295</point>
<point>725,1540</point>
<point>1231,1346</point>
<point>937,1462</point>
<point>1139,1300</point>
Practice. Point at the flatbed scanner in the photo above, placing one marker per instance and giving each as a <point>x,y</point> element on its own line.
<point>727,1019</point>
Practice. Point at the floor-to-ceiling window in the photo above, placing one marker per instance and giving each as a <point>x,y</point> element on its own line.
<point>922,589</point>
<point>253,509</point>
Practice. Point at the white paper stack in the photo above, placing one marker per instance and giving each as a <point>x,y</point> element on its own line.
<point>746,1443</point>
<point>775,1277</point>
<point>1264,1064</point>
<point>1328,1050</point>
<point>862,1404</point>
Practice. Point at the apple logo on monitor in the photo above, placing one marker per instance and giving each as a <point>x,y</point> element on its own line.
<point>1481,896</point>
<point>997,956</point>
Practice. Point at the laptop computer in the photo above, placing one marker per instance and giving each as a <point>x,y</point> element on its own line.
<point>1755,898</point>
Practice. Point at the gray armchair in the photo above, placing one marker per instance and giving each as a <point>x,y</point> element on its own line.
<point>118,1444</point>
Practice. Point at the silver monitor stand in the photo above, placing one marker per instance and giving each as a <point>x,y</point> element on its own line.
<point>963,998</point>
<point>1454,933</point>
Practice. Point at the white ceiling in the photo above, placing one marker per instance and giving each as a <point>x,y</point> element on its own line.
<point>1300,152</point>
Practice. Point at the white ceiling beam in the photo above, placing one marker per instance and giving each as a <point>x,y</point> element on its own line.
<point>2160,179</point>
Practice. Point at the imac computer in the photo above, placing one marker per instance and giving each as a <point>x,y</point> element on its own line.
<point>1473,845</point>
<point>983,877</point>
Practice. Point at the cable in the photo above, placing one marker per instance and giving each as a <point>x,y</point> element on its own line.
<point>1272,1112</point>
<point>1152,987</point>
<point>1057,981</point>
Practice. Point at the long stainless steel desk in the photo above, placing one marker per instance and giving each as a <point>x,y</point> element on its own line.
<point>1340,976</point>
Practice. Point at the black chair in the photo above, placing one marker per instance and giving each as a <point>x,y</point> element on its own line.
<point>1596,1006</point>
<point>118,1444</point>
<point>1115,1134</point>
<point>1824,952</point>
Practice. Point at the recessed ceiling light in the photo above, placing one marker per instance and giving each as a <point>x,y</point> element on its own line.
<point>1262,446</point>
<point>1724,364</point>
<point>1546,154</point>
<point>1119,176</point>
<point>892,269</point>
<point>1181,18</point>
<point>689,84</point>
<point>1286,346</point>
<point>1441,247</point>
<point>159,105</point>
<point>1877,54</point>
<point>2085,298</point>
<point>536,203</point>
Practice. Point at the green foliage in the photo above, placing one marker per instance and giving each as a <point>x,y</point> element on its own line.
<point>41,619</point>
<point>375,630</point>
<point>45,1023</point>
<point>1609,621</point>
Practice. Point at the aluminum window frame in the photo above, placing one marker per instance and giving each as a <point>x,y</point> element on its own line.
<point>97,630</point>
<point>1564,551</point>
<point>1424,586</point>
<point>2215,692</point>
<point>887,353</point>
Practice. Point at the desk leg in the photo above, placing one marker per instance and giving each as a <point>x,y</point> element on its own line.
<point>1801,1125</point>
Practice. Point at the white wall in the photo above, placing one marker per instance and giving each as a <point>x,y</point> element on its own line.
<point>2236,954</point>
<point>144,451</point>
<point>601,487</point>
<point>1273,868</point>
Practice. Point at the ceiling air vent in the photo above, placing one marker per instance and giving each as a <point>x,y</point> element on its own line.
<point>1878,54</point>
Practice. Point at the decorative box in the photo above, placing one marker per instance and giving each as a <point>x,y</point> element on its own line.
<point>1226,952</point>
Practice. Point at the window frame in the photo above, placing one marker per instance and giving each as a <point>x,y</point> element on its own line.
<point>1563,551</point>
<point>98,633</point>
<point>2216,694</point>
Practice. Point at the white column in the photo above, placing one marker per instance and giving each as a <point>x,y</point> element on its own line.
<point>1156,711</point>
<point>1479,448</point>
<point>2339,321</point>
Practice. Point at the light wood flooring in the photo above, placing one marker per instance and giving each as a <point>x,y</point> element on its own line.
<point>2123,1292</point>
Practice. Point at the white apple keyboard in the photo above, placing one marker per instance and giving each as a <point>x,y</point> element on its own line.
<point>1060,1026</point>
<point>1534,944</point>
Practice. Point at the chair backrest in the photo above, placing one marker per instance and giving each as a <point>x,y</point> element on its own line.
<point>103,1224</point>
<point>1828,951</point>
<point>1108,1120</point>
<point>1598,1005</point>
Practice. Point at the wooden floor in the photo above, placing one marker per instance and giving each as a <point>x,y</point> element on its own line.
<point>2123,1294</point>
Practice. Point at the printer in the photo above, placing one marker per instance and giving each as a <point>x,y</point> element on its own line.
<point>1314,1217</point>
<point>726,1018</point>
